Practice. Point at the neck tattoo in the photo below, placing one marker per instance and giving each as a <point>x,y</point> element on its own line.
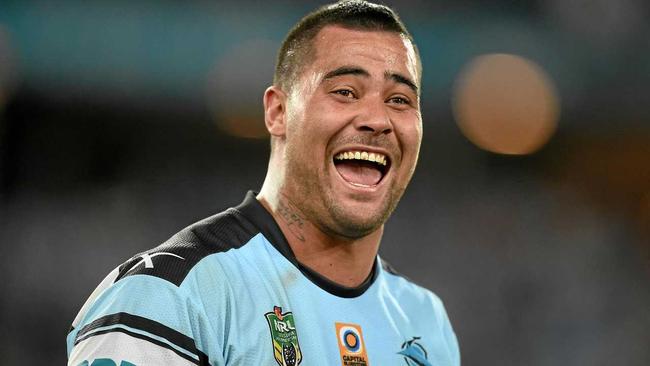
<point>290,216</point>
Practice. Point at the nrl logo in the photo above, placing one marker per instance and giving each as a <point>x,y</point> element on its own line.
<point>284,337</point>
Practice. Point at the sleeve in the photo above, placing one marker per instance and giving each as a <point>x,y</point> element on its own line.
<point>140,320</point>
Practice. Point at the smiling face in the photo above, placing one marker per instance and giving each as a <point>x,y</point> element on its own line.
<point>353,130</point>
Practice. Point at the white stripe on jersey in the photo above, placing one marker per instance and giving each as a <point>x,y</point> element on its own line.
<point>107,281</point>
<point>122,347</point>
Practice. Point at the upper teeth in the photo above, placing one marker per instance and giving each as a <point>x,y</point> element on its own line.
<point>362,155</point>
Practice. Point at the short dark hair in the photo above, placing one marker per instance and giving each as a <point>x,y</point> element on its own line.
<point>297,49</point>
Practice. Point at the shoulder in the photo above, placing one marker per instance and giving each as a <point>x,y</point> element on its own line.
<point>420,303</point>
<point>410,292</point>
<point>175,258</point>
<point>145,292</point>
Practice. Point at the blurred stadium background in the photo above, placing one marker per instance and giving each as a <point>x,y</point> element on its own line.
<point>122,122</point>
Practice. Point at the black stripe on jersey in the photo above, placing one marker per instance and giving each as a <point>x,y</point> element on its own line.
<point>150,326</point>
<point>174,259</point>
<point>231,229</point>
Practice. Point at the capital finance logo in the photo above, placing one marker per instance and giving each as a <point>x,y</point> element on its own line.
<point>351,345</point>
<point>284,337</point>
<point>414,353</point>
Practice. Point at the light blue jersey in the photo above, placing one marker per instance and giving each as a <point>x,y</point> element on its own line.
<point>228,290</point>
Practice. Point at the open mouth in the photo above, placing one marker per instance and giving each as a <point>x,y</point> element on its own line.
<point>361,168</point>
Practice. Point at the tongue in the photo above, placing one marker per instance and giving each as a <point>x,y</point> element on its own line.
<point>357,172</point>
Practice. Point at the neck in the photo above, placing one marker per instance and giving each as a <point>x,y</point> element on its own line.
<point>345,261</point>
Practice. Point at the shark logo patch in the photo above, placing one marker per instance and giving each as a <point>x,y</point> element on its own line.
<point>414,353</point>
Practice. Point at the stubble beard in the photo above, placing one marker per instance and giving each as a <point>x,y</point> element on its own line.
<point>310,196</point>
<point>365,223</point>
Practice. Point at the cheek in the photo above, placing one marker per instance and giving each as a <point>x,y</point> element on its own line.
<point>418,131</point>
<point>306,137</point>
<point>411,140</point>
<point>410,134</point>
<point>317,125</point>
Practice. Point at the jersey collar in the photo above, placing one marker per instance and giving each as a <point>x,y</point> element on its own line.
<point>257,214</point>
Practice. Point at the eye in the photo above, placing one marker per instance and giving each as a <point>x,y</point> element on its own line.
<point>345,93</point>
<point>399,100</point>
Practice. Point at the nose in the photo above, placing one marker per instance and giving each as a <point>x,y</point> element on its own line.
<point>374,118</point>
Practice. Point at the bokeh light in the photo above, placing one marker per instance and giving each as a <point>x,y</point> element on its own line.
<point>236,86</point>
<point>505,104</point>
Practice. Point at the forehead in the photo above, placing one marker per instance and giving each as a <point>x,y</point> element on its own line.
<point>335,46</point>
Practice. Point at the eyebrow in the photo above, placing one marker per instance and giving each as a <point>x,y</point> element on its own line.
<point>346,70</point>
<point>352,70</point>
<point>402,80</point>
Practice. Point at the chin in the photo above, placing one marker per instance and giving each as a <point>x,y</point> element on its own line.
<point>355,223</point>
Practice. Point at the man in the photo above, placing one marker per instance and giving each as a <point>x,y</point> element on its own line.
<point>291,276</point>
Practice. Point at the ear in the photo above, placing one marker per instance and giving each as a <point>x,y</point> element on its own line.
<point>275,111</point>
